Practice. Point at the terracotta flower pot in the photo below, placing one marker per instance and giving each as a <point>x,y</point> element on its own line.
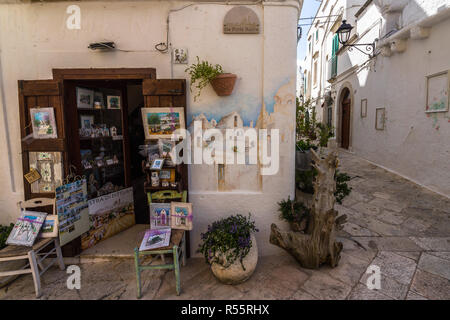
<point>223,84</point>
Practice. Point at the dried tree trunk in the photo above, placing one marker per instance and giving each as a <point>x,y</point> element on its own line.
<point>317,246</point>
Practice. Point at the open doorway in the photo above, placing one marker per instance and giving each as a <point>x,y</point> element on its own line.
<point>110,162</point>
<point>345,118</point>
<point>137,154</point>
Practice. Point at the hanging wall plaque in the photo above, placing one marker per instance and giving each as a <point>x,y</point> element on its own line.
<point>241,20</point>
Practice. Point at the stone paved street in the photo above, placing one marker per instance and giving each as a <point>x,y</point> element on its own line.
<point>392,223</point>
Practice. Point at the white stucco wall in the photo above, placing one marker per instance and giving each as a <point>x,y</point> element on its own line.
<point>34,40</point>
<point>414,144</point>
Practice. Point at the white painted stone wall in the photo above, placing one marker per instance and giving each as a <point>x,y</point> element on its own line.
<point>34,40</point>
<point>414,144</point>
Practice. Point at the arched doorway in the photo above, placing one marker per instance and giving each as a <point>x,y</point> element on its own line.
<point>345,118</point>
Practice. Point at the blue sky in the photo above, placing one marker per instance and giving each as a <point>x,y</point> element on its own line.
<point>309,10</point>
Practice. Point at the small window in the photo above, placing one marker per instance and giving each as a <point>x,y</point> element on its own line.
<point>330,116</point>
<point>317,35</point>
<point>315,73</point>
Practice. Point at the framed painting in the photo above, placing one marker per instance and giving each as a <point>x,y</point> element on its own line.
<point>380,118</point>
<point>43,123</point>
<point>86,121</point>
<point>437,92</point>
<point>85,98</point>
<point>160,123</point>
<point>181,215</point>
<point>49,165</point>
<point>113,102</point>
<point>50,227</point>
<point>159,215</point>
<point>363,108</point>
<point>167,175</point>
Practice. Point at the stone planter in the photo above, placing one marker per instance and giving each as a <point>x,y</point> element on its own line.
<point>303,160</point>
<point>223,84</point>
<point>235,274</point>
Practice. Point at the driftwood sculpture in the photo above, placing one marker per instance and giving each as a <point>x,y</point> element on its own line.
<point>317,245</point>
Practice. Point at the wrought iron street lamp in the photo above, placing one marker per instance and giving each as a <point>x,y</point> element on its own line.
<point>344,35</point>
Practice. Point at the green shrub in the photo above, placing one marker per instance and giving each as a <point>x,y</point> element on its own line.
<point>292,211</point>
<point>304,145</point>
<point>305,182</point>
<point>4,233</point>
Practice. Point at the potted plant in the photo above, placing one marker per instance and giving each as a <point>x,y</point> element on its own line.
<point>203,72</point>
<point>294,212</point>
<point>229,247</point>
<point>303,154</point>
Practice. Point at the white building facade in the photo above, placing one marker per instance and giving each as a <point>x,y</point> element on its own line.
<point>34,40</point>
<point>389,106</point>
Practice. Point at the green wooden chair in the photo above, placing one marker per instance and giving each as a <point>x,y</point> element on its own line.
<point>176,248</point>
<point>177,245</point>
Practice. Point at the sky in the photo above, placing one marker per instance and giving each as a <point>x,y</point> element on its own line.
<point>309,10</point>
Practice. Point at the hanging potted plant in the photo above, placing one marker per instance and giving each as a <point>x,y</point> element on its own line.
<point>203,72</point>
<point>229,247</point>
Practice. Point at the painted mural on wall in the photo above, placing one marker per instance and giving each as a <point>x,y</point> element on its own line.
<point>245,113</point>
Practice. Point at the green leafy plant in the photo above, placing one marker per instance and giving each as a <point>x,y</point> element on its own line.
<point>201,74</point>
<point>342,188</point>
<point>227,240</point>
<point>306,119</point>
<point>325,133</point>
<point>305,182</point>
<point>305,145</point>
<point>292,211</point>
<point>4,233</point>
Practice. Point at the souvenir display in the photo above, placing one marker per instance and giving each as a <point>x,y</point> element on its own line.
<point>162,122</point>
<point>49,165</point>
<point>157,164</point>
<point>27,228</point>
<point>85,98</point>
<point>181,215</point>
<point>50,227</point>
<point>174,184</point>
<point>32,176</point>
<point>165,183</point>
<point>86,121</point>
<point>43,123</point>
<point>159,215</point>
<point>113,131</point>
<point>156,238</point>
<point>155,179</point>
<point>109,214</point>
<point>98,100</point>
<point>113,102</point>
<point>72,209</point>
<point>167,175</point>
<point>165,150</point>
<point>94,130</point>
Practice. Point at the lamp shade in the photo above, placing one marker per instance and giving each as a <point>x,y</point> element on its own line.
<point>344,32</point>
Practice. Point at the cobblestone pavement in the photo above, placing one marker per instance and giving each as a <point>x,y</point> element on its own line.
<point>392,223</point>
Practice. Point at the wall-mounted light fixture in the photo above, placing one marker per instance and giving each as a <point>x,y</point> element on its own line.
<point>102,46</point>
<point>344,35</point>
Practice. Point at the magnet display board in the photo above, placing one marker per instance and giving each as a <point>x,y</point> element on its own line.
<point>72,209</point>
